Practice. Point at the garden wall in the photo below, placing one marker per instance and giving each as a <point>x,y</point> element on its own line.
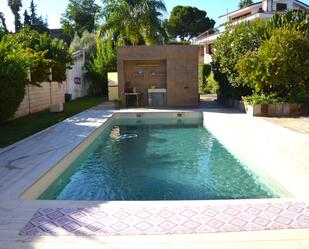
<point>40,98</point>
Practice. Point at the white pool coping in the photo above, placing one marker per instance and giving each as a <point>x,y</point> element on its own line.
<point>278,153</point>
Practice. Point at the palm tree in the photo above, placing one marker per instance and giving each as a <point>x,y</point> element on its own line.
<point>134,20</point>
<point>245,3</point>
<point>15,6</point>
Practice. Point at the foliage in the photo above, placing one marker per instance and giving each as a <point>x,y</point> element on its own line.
<point>187,22</point>
<point>34,21</point>
<point>235,42</point>
<point>87,43</point>
<point>281,65</point>
<point>204,72</point>
<point>134,21</point>
<point>298,20</point>
<point>3,27</point>
<point>212,86</point>
<point>104,61</point>
<point>15,6</point>
<point>245,3</point>
<point>79,16</point>
<point>257,99</point>
<point>14,63</point>
<point>264,58</point>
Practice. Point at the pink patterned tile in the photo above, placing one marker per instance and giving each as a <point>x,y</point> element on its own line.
<point>98,215</point>
<point>283,220</point>
<point>295,208</point>
<point>261,221</point>
<point>167,220</point>
<point>253,211</point>
<point>274,210</point>
<point>210,212</point>
<point>188,213</point>
<point>119,226</point>
<point>121,215</point>
<point>143,226</point>
<point>166,214</point>
<point>70,227</point>
<point>215,223</point>
<point>238,222</point>
<point>303,218</point>
<point>167,225</point>
<point>143,214</point>
<point>191,224</point>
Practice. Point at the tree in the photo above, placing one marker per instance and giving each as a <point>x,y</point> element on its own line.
<point>245,3</point>
<point>87,43</point>
<point>36,22</point>
<point>80,15</point>
<point>235,42</point>
<point>3,23</point>
<point>135,21</point>
<point>105,60</point>
<point>27,20</point>
<point>15,6</point>
<point>187,22</point>
<point>281,65</point>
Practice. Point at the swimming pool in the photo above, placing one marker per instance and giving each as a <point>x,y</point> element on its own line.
<point>157,159</point>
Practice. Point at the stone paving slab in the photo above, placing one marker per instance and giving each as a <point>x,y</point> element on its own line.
<point>300,124</point>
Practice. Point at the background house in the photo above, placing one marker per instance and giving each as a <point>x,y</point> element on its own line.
<point>265,9</point>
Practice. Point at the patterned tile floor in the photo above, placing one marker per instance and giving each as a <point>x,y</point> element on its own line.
<point>167,220</point>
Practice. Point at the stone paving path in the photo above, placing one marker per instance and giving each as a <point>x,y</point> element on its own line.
<point>300,124</point>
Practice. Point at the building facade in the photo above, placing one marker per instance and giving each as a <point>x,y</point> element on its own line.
<point>265,10</point>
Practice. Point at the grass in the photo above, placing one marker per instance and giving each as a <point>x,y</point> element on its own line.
<point>23,127</point>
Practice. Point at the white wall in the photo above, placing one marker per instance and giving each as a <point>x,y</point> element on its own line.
<point>77,71</point>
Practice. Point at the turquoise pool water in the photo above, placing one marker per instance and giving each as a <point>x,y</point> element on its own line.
<point>144,161</point>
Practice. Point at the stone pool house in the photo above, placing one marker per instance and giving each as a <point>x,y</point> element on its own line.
<point>165,75</point>
<point>265,9</point>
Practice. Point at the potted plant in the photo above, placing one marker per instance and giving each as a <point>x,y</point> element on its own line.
<point>117,104</point>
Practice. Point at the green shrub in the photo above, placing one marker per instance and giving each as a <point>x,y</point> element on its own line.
<point>204,72</point>
<point>212,86</point>
<point>14,64</point>
<point>257,99</point>
<point>281,65</point>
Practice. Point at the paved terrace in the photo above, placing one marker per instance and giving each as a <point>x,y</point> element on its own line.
<point>279,154</point>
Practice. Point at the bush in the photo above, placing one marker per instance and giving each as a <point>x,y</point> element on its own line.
<point>24,51</point>
<point>212,86</point>
<point>14,64</point>
<point>256,99</point>
<point>281,65</point>
<point>204,72</point>
<point>234,43</point>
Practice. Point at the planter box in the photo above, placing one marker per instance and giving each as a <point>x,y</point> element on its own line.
<point>274,110</point>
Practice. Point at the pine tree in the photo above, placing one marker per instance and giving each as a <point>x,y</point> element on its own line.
<point>37,22</point>
<point>27,20</point>
<point>33,15</point>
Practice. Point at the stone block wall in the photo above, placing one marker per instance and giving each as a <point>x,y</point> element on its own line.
<point>40,98</point>
<point>181,70</point>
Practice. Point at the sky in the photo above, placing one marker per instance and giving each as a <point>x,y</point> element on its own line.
<point>52,9</point>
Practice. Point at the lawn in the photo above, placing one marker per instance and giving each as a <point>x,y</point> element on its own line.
<point>20,128</point>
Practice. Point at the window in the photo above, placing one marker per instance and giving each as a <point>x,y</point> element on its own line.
<point>281,6</point>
